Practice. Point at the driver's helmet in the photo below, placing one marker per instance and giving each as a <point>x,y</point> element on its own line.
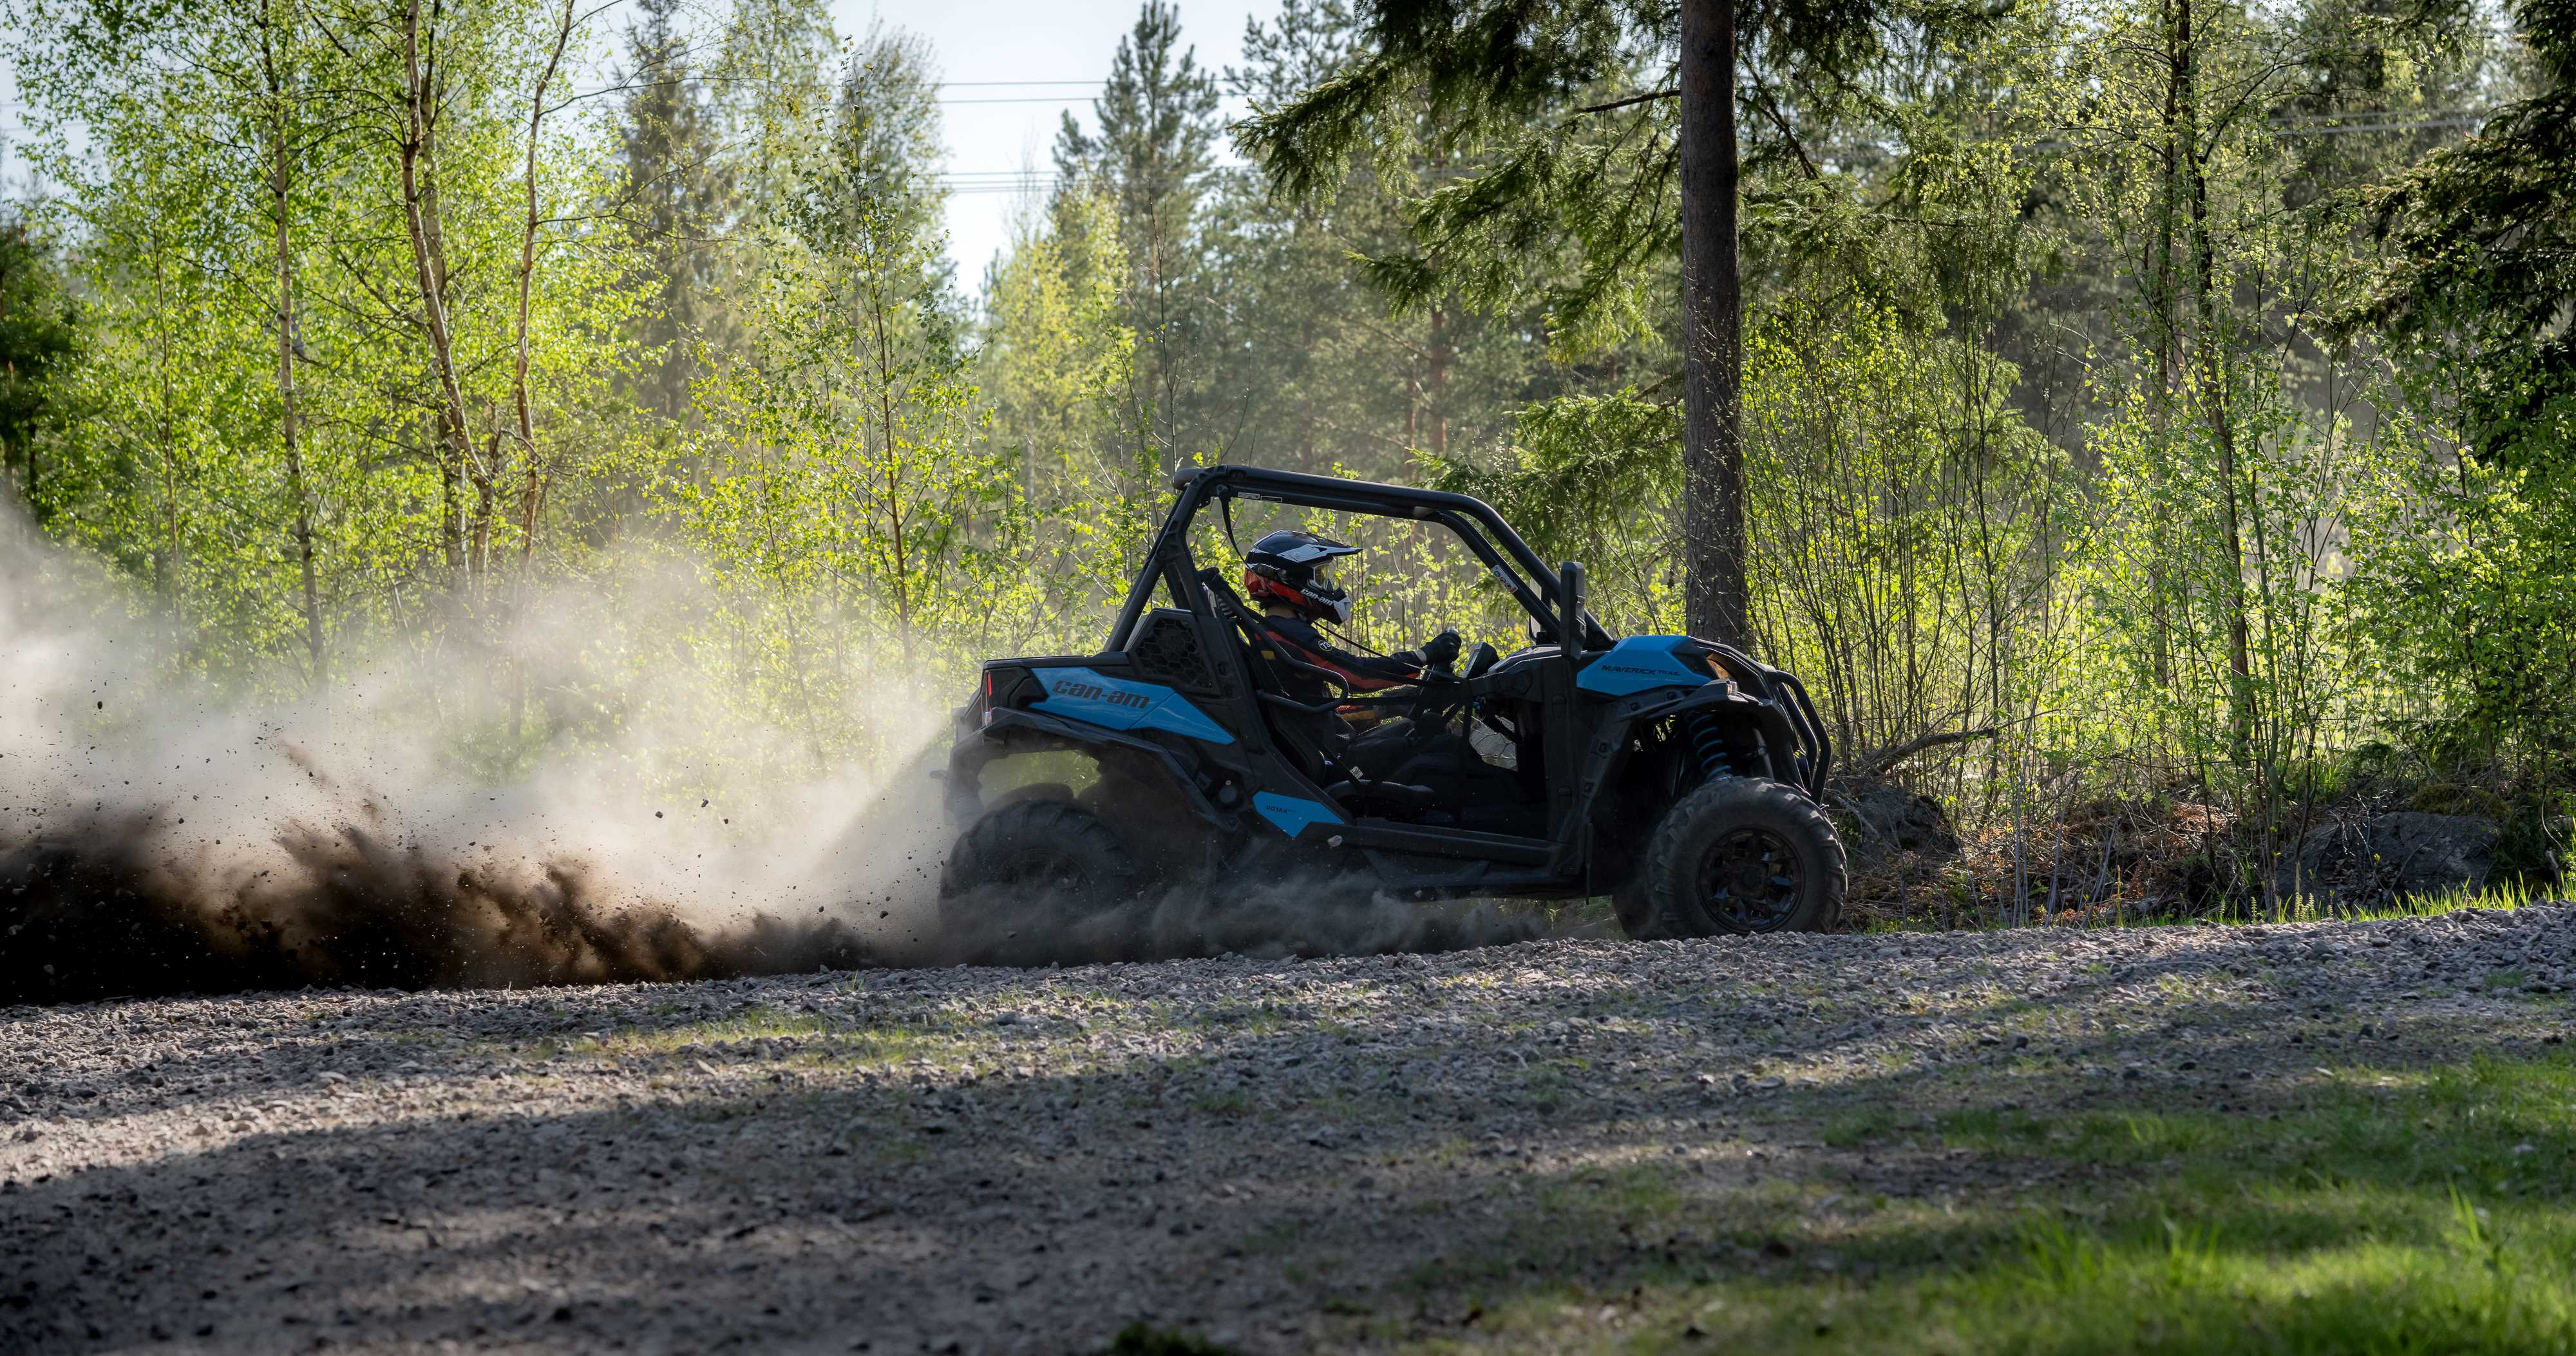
<point>1285,567</point>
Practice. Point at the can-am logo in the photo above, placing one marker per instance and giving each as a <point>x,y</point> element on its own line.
<point>1092,692</point>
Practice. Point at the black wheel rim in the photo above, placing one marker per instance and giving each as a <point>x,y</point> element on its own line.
<point>1751,880</point>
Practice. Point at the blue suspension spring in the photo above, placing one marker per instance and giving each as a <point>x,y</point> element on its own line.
<point>1708,744</point>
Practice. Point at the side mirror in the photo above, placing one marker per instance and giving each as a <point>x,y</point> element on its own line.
<point>1570,630</point>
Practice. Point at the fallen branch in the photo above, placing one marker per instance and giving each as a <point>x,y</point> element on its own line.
<point>1877,764</point>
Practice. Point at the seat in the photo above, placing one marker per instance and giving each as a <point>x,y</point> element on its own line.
<point>1279,711</point>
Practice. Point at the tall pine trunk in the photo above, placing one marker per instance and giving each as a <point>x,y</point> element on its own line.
<point>1718,602</point>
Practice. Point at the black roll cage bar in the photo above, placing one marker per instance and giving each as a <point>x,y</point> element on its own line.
<point>1473,520</point>
<point>1477,524</point>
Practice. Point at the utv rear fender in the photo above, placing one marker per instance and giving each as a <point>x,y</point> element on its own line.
<point>1020,732</point>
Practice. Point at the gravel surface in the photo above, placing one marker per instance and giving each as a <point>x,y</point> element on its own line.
<point>1280,1155</point>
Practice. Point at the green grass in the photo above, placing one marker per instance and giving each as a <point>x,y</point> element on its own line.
<point>820,1044</point>
<point>2506,895</point>
<point>2368,1210</point>
<point>2500,895</point>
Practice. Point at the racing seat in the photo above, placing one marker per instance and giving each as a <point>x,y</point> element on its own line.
<point>1296,727</point>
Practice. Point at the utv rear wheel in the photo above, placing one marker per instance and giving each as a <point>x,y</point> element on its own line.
<point>1739,855</point>
<point>1054,859</point>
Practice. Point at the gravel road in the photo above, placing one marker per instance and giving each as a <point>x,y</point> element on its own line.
<point>1279,1155</point>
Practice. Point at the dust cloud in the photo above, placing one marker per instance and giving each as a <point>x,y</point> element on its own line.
<point>155,838</point>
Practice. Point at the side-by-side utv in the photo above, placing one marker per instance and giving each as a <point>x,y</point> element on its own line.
<point>1677,776</point>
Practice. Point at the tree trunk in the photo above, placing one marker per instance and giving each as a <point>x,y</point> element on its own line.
<point>1435,386</point>
<point>2164,319</point>
<point>165,572</point>
<point>533,487</point>
<point>2213,380</point>
<point>417,160</point>
<point>1713,537</point>
<point>280,184</point>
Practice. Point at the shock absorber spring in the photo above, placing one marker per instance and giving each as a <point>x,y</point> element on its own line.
<point>1708,744</point>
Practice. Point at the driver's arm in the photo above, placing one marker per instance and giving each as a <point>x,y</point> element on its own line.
<point>1364,672</point>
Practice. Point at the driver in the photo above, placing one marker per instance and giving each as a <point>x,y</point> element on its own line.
<point>1283,576</point>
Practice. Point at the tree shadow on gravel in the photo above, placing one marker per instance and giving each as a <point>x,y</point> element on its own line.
<point>2000,1198</point>
<point>797,1218</point>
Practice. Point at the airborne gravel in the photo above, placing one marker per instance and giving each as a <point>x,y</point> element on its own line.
<point>1277,1155</point>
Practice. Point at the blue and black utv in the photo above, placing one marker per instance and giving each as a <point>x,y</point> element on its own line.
<point>1677,776</point>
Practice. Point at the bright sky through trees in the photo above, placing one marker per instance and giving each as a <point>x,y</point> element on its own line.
<point>1042,57</point>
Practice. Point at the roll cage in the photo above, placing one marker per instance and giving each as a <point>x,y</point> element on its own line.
<point>1587,735</point>
<point>1514,565</point>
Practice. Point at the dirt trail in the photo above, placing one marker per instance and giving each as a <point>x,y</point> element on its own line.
<point>1282,1156</point>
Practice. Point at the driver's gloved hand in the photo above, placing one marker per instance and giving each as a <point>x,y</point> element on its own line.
<point>1441,650</point>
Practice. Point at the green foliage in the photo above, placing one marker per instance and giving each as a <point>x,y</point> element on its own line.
<point>1150,157</point>
<point>2469,572</point>
<point>678,192</point>
<point>1595,479</point>
<point>39,327</point>
<point>2169,388</point>
<point>1560,120</point>
<point>1903,517</point>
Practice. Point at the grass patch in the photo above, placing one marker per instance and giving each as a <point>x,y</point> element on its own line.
<point>813,1043</point>
<point>1233,1102</point>
<point>2382,1211</point>
<point>1144,1339</point>
<point>2503,895</point>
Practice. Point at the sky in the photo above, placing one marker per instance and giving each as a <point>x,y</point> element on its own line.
<point>1013,68</point>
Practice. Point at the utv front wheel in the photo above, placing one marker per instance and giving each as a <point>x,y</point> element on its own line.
<point>1045,857</point>
<point>1739,855</point>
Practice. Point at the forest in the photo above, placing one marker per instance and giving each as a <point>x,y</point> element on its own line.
<point>2157,417</point>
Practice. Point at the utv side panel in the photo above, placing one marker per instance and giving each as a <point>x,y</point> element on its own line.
<point>1641,664</point>
<point>1095,698</point>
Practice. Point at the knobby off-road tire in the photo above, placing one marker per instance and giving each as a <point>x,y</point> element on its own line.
<point>1739,855</point>
<point>1042,859</point>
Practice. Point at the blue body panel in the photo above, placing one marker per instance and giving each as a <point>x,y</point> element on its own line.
<point>1291,814</point>
<point>1117,704</point>
<point>1640,664</point>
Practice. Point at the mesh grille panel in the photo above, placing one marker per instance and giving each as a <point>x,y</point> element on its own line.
<point>1166,647</point>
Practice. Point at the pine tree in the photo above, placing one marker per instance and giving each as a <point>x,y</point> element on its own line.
<point>677,200</point>
<point>1151,155</point>
<point>2480,298</point>
<point>1611,130</point>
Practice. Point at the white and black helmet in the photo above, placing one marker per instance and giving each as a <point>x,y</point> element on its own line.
<point>1287,567</point>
